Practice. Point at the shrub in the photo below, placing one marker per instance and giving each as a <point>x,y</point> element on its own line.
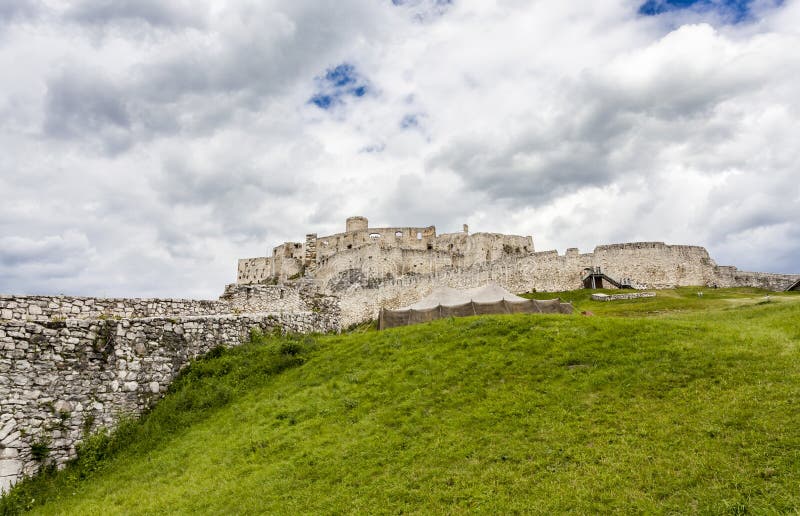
<point>40,450</point>
<point>291,348</point>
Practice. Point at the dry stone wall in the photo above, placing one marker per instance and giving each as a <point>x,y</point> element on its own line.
<point>300,296</point>
<point>732,277</point>
<point>62,378</point>
<point>46,308</point>
<point>69,365</point>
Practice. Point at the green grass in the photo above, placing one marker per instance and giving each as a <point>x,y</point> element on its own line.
<point>689,409</point>
<point>668,302</point>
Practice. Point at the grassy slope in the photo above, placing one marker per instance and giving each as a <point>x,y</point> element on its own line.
<point>689,412</point>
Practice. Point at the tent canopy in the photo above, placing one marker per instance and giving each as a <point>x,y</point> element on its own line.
<point>448,296</point>
<point>450,302</point>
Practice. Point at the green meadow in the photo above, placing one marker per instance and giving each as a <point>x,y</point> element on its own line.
<point>681,403</point>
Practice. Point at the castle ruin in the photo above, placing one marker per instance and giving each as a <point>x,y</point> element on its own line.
<point>380,252</point>
<point>394,266</point>
<point>69,365</point>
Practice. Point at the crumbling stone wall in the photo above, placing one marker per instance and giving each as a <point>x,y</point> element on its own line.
<point>61,379</point>
<point>649,265</point>
<point>287,261</point>
<point>301,296</point>
<point>261,298</point>
<point>254,270</point>
<point>733,277</point>
<point>375,261</point>
<point>389,251</point>
<point>71,364</point>
<point>45,308</point>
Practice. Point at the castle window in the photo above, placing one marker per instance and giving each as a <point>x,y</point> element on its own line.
<point>398,234</point>
<point>375,235</point>
<point>419,235</point>
<point>325,243</point>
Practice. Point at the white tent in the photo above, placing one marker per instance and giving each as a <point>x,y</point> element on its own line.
<point>448,296</point>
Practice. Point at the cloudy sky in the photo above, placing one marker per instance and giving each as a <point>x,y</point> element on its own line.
<point>146,145</point>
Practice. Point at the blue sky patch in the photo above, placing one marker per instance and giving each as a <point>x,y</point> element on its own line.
<point>337,84</point>
<point>424,10</point>
<point>409,121</point>
<point>341,75</point>
<point>735,10</point>
<point>322,101</point>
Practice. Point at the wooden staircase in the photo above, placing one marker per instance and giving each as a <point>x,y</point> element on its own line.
<point>593,277</point>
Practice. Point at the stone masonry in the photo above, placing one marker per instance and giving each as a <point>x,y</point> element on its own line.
<point>70,365</point>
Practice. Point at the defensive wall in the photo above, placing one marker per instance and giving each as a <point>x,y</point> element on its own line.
<point>649,265</point>
<point>69,365</point>
<point>45,308</point>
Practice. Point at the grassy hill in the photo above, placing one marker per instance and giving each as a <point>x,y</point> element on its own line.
<point>680,403</point>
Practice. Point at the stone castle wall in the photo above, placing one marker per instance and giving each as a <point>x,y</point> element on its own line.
<point>69,365</point>
<point>61,379</point>
<point>253,270</point>
<point>376,261</point>
<point>45,308</point>
<point>401,237</point>
<point>287,261</point>
<point>733,277</point>
<point>298,297</point>
<point>412,247</point>
<point>649,265</point>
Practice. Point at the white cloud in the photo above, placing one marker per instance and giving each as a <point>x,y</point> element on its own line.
<point>150,145</point>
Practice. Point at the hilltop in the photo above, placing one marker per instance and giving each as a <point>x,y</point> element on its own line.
<point>678,403</point>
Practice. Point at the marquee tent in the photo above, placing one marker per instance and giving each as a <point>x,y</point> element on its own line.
<point>450,302</point>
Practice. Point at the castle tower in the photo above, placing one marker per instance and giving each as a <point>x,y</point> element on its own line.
<point>354,224</point>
